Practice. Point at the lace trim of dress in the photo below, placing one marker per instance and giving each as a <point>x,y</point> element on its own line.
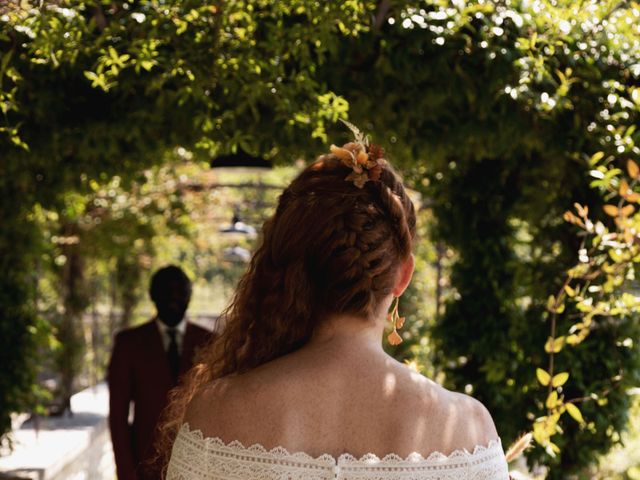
<point>196,457</point>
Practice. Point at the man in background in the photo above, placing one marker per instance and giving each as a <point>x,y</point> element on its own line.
<point>147,361</point>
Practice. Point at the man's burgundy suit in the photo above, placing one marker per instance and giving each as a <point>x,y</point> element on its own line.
<point>139,372</point>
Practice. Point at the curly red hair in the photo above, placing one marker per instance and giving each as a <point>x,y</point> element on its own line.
<point>330,248</point>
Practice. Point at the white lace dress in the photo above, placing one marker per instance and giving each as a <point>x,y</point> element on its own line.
<point>195,457</point>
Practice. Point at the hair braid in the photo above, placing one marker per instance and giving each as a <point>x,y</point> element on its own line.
<point>394,199</point>
<point>330,248</point>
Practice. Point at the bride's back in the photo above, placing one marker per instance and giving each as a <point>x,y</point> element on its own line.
<point>299,363</point>
<point>335,398</point>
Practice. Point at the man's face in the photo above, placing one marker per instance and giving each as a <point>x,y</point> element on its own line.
<point>172,300</point>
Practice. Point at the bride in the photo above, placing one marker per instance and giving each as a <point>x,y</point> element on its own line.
<point>298,385</point>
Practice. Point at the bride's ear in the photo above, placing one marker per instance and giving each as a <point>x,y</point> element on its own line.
<point>405,272</point>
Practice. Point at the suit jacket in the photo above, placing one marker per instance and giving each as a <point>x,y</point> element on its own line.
<point>139,373</point>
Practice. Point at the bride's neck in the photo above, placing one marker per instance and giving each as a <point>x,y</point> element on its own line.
<point>348,331</point>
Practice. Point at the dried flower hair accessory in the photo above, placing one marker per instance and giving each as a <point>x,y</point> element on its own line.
<point>366,160</point>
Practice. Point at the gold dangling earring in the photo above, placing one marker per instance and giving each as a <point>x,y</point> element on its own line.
<point>397,321</point>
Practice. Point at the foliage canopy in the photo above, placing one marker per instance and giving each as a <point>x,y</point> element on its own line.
<point>496,110</point>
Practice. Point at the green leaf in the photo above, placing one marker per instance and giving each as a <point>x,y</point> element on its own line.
<point>6,58</point>
<point>543,377</point>
<point>574,412</point>
<point>554,345</point>
<point>97,80</point>
<point>147,64</point>
<point>560,379</point>
<point>552,449</point>
<point>551,302</point>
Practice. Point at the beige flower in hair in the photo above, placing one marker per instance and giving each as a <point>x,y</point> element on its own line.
<point>364,159</point>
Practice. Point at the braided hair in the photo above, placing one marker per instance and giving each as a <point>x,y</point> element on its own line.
<point>330,248</point>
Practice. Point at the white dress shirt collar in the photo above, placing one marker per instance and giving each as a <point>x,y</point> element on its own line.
<point>180,330</point>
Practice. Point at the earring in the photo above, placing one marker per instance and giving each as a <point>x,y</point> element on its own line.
<point>397,321</point>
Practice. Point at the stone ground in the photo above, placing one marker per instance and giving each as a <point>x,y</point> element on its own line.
<point>74,447</point>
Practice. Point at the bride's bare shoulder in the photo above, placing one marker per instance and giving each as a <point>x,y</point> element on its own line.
<point>204,410</point>
<point>475,414</point>
<point>465,421</point>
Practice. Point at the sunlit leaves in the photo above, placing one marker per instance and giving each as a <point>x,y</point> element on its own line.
<point>574,412</point>
<point>114,61</point>
<point>615,211</point>
<point>554,344</point>
<point>555,305</point>
<point>230,65</point>
<point>607,260</point>
<point>595,158</point>
<point>571,218</point>
<point>99,80</point>
<point>14,137</point>
<point>544,428</point>
<point>611,210</point>
<point>627,210</point>
<point>543,377</point>
<point>559,379</point>
<point>552,400</point>
<point>145,52</point>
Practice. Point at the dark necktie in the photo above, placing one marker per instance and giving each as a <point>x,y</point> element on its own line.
<point>173,355</point>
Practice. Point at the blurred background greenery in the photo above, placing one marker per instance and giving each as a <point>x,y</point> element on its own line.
<point>513,122</point>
